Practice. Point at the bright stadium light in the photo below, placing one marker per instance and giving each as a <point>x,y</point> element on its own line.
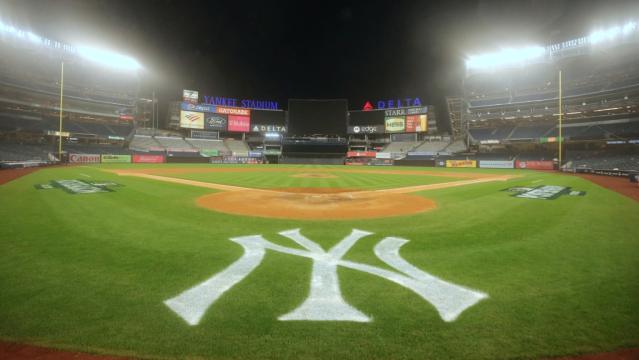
<point>613,33</point>
<point>109,58</point>
<point>508,57</point>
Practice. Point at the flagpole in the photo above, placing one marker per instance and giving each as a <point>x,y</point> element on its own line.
<point>61,104</point>
<point>561,111</point>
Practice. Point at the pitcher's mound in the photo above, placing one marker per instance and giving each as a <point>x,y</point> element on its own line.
<point>315,204</point>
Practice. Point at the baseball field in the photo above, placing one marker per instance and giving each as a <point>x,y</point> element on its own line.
<point>317,262</point>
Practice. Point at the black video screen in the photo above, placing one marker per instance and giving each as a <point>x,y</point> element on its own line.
<point>366,118</point>
<point>309,117</point>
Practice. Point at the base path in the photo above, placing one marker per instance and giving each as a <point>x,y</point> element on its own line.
<point>315,203</point>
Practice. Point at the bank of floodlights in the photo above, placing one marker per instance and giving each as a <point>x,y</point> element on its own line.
<point>101,56</point>
<point>518,57</point>
<point>613,34</point>
<point>506,58</point>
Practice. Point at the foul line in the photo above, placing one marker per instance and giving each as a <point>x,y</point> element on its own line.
<point>401,190</point>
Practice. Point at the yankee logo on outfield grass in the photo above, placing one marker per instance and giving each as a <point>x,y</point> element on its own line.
<point>544,192</point>
<point>324,301</point>
<point>79,186</point>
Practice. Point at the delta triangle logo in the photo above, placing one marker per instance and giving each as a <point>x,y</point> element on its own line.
<point>325,301</point>
<point>368,106</point>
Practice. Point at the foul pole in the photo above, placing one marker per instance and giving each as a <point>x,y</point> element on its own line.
<point>61,104</point>
<point>561,112</point>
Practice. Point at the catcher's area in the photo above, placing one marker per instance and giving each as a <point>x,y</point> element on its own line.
<point>314,203</point>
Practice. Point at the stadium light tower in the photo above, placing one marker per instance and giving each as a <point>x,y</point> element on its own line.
<point>102,57</point>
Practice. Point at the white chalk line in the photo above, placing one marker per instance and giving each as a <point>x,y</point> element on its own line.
<point>351,194</point>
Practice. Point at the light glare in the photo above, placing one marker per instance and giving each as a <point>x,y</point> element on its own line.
<point>108,58</point>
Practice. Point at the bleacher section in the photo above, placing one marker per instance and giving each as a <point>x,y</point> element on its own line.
<point>456,147</point>
<point>622,129</point>
<point>203,145</point>
<point>236,146</point>
<point>144,143</point>
<point>24,152</point>
<point>603,160</point>
<point>433,147</point>
<point>38,124</point>
<point>173,143</point>
<point>398,147</point>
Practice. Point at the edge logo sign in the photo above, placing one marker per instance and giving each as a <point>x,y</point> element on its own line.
<point>544,192</point>
<point>366,129</point>
<point>324,301</point>
<point>79,186</point>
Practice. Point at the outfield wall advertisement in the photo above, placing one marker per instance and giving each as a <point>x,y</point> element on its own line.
<point>84,158</point>
<point>494,164</point>
<point>461,163</point>
<point>369,154</point>
<point>535,165</point>
<point>116,158</point>
<point>150,159</point>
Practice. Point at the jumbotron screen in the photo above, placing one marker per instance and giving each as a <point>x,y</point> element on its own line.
<point>308,117</point>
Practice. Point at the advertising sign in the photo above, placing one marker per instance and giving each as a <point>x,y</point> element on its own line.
<point>406,111</point>
<point>253,154</point>
<point>239,123</point>
<point>416,123</point>
<point>535,165</point>
<point>84,158</point>
<point>366,129</point>
<point>370,154</point>
<point>382,155</point>
<point>215,121</point>
<point>191,120</point>
<point>209,152</point>
<point>461,163</point>
<point>190,96</point>
<point>395,124</point>
<point>235,160</point>
<point>116,158</point>
<point>233,111</point>
<point>198,107</point>
<point>150,159</point>
<point>258,128</point>
<point>494,164</point>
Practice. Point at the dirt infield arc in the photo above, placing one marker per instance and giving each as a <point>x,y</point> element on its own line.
<point>315,203</point>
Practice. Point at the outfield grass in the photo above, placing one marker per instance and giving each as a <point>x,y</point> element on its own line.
<point>91,272</point>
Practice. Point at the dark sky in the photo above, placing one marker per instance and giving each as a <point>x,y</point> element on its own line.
<point>310,49</point>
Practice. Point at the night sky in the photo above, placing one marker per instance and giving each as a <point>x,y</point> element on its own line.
<point>316,49</point>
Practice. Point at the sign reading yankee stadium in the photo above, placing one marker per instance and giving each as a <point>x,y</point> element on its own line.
<point>243,103</point>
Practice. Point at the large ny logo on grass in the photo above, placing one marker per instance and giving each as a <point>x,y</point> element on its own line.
<point>325,302</point>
